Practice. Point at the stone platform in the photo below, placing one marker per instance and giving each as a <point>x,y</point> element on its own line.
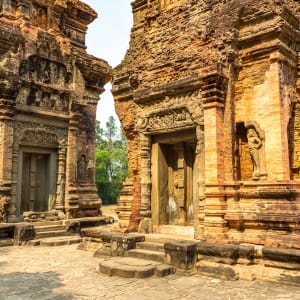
<point>226,261</point>
<point>40,231</point>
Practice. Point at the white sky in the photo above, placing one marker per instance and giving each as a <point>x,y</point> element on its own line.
<point>108,38</point>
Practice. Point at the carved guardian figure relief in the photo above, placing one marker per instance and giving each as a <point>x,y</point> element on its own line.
<point>256,146</point>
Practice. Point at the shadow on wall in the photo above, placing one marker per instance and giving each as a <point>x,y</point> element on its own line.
<point>21,285</point>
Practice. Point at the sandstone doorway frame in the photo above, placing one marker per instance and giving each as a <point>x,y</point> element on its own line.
<point>51,175</point>
<point>162,177</point>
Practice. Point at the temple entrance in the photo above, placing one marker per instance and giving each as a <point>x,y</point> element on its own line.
<point>35,190</point>
<point>37,185</point>
<point>172,196</point>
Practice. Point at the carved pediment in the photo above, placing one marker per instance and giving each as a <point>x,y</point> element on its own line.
<point>165,120</point>
<point>38,134</point>
<point>169,113</point>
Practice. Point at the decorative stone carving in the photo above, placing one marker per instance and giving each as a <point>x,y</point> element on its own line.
<point>44,71</point>
<point>254,143</point>
<point>39,16</point>
<point>47,81</point>
<point>170,119</point>
<point>7,6</point>
<point>36,97</point>
<point>37,133</point>
<point>256,138</point>
<point>39,137</point>
<point>81,168</point>
<point>168,113</point>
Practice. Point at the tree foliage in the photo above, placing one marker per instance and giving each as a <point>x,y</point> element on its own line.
<point>111,161</point>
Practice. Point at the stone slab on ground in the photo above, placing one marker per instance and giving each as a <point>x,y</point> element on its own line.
<point>166,238</point>
<point>56,241</point>
<point>147,254</point>
<point>91,221</point>
<point>134,268</point>
<point>6,242</point>
<point>151,246</point>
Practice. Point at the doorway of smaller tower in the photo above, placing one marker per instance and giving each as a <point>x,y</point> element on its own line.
<point>36,186</point>
<point>173,179</point>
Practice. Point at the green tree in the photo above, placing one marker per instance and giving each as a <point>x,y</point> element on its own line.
<point>111,161</point>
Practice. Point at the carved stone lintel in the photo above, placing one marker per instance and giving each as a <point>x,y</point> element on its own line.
<point>176,118</point>
<point>39,137</point>
<point>27,132</point>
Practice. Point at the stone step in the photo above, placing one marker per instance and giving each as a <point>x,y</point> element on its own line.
<point>151,246</point>
<point>177,231</point>
<point>56,241</point>
<point>147,255</point>
<point>7,231</point>
<point>46,223</point>
<point>134,268</point>
<point>47,234</point>
<point>165,238</point>
<point>3,235</point>
<point>47,228</point>
<point>5,242</point>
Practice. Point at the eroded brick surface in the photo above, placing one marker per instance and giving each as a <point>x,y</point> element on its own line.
<point>207,95</point>
<point>49,88</point>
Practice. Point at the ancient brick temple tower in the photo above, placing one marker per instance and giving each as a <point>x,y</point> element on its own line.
<point>208,96</point>
<point>49,88</point>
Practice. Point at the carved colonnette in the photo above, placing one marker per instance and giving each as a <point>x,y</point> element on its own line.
<point>239,65</point>
<point>49,93</point>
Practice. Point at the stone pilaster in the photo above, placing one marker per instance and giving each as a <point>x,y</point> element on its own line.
<point>276,123</point>
<point>200,182</point>
<point>8,86</point>
<point>71,197</point>
<point>213,96</point>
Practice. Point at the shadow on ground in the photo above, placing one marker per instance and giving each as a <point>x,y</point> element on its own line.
<point>22,285</point>
<point>3,261</point>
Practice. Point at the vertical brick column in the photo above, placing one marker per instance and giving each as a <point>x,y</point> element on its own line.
<point>276,121</point>
<point>213,96</point>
